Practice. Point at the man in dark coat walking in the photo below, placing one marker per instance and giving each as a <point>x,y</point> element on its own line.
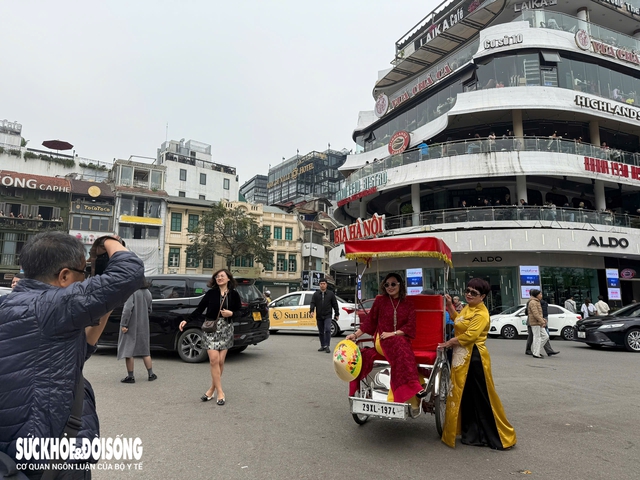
<point>323,301</point>
<point>49,326</point>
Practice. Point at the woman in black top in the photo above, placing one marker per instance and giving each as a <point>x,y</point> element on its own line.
<point>222,298</point>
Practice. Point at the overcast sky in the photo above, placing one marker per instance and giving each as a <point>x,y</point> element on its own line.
<point>256,79</point>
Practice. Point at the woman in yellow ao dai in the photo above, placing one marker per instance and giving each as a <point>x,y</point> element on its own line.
<point>474,410</point>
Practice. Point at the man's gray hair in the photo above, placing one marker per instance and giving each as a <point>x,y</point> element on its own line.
<point>46,253</point>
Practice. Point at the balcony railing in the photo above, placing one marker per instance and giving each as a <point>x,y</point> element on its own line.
<point>568,23</point>
<point>471,146</point>
<point>548,216</point>
<point>30,224</point>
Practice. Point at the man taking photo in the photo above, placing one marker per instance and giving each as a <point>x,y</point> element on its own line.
<point>49,326</point>
<point>323,301</point>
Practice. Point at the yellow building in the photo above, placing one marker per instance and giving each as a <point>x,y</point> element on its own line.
<point>280,277</point>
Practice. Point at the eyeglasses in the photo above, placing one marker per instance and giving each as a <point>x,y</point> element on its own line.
<point>391,284</point>
<point>473,293</point>
<point>83,272</point>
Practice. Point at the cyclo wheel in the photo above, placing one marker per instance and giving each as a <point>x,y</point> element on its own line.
<point>360,418</point>
<point>440,401</point>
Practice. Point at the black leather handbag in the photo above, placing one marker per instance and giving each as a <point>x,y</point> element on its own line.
<point>210,326</point>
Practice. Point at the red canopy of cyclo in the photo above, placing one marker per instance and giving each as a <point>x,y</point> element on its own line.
<point>365,250</point>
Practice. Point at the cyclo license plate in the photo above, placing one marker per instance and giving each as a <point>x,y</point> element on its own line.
<point>380,409</point>
<point>582,334</point>
<point>257,316</point>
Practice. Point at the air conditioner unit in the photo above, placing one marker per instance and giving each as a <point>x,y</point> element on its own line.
<point>173,271</point>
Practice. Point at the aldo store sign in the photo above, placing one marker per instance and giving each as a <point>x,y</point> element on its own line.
<point>610,242</point>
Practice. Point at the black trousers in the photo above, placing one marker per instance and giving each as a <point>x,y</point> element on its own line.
<point>477,422</point>
<point>547,346</point>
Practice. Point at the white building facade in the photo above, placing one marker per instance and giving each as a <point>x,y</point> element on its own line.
<point>191,173</point>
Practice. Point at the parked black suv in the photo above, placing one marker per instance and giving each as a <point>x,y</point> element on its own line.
<point>175,297</point>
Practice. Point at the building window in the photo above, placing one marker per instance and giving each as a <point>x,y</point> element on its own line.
<point>266,231</point>
<point>226,184</point>
<point>292,263</point>
<point>202,197</point>
<point>181,194</point>
<point>174,257</point>
<point>183,175</point>
<point>176,222</point>
<point>288,233</point>
<point>208,262</point>
<point>269,265</point>
<point>193,222</point>
<point>277,233</point>
<point>245,261</point>
<point>192,260</point>
<point>281,264</point>
<point>90,223</point>
<point>203,179</point>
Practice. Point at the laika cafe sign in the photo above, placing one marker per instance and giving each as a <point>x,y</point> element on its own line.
<point>34,182</point>
<point>370,227</point>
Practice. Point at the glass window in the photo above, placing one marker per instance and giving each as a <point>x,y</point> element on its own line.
<point>277,233</point>
<point>288,301</point>
<point>269,266</point>
<point>126,175</point>
<point>203,179</point>
<point>176,222</point>
<point>153,208</point>
<point>164,288</point>
<point>126,206</point>
<point>152,232</point>
<point>292,263</point>
<point>266,231</point>
<point>208,262</point>
<point>192,261</point>
<point>193,222</point>
<point>288,233</point>
<point>100,224</point>
<point>125,231</point>
<point>156,180</point>
<point>307,298</point>
<point>226,184</point>
<point>174,257</point>
<point>181,194</point>
<point>201,197</point>
<point>528,66</point>
<point>183,175</point>
<point>281,263</point>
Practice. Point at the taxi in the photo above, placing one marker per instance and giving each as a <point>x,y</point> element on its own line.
<point>291,312</point>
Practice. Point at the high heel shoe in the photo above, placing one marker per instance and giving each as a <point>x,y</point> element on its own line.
<point>206,398</point>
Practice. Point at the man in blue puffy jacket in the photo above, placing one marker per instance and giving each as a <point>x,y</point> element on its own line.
<point>49,326</point>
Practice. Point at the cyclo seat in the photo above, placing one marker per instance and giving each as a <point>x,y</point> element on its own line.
<point>429,327</point>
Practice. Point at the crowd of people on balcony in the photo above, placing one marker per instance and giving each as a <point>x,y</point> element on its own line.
<point>29,221</point>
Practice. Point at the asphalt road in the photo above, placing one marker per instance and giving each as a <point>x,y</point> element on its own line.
<point>576,416</point>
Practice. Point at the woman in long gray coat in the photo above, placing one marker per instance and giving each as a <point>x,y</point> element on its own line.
<point>134,333</point>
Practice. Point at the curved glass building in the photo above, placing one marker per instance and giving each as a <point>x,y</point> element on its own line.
<point>510,129</point>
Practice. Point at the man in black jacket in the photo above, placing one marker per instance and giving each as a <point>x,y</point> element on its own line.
<point>323,301</point>
<point>547,346</point>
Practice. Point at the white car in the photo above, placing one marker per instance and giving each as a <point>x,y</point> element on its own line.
<point>291,312</point>
<point>513,322</point>
<point>5,291</point>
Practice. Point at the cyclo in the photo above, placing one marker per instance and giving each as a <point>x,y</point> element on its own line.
<point>372,393</point>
